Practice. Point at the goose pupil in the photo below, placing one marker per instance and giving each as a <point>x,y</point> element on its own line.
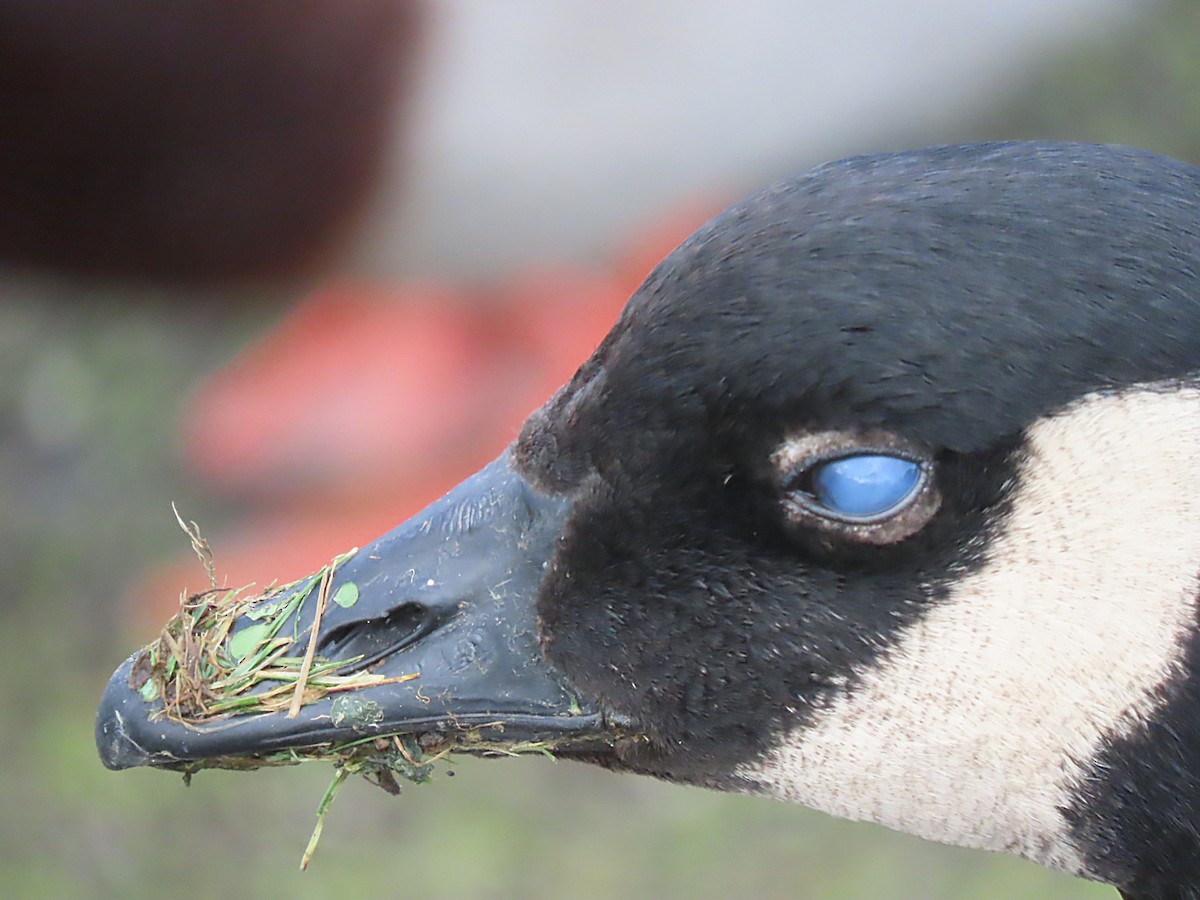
<point>865,485</point>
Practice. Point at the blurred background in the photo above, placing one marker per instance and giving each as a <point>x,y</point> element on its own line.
<point>300,266</point>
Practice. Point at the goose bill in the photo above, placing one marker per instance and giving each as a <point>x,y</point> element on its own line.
<point>449,596</point>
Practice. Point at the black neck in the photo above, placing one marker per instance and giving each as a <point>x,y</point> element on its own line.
<point>1137,815</point>
<point>1182,892</point>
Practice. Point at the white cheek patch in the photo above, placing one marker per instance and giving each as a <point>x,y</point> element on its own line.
<point>978,722</point>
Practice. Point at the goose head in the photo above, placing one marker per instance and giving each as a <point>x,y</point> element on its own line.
<point>882,496</point>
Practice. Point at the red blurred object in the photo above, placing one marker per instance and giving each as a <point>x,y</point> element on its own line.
<point>366,403</point>
<point>355,383</point>
<point>549,321</point>
<point>652,244</point>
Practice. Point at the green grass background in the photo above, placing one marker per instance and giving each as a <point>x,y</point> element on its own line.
<point>104,376</point>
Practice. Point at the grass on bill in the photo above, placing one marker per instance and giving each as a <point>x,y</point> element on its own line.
<point>203,671</point>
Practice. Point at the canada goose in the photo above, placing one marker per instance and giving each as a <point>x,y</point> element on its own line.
<point>882,495</point>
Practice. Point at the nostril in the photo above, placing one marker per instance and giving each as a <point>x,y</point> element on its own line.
<point>373,639</point>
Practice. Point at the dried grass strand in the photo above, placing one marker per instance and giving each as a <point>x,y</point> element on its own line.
<point>311,651</point>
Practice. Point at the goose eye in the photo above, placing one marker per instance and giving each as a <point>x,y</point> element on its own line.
<point>866,486</point>
<point>869,486</point>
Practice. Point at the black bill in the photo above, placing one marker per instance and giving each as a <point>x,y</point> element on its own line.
<point>449,597</point>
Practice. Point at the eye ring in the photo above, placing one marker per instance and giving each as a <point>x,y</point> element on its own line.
<point>895,496</point>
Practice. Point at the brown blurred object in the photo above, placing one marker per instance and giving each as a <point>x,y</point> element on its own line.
<point>196,141</point>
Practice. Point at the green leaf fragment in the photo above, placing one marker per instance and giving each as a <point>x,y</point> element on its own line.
<point>266,610</point>
<point>149,691</point>
<point>346,595</point>
<point>256,656</point>
<point>247,640</point>
<point>355,711</point>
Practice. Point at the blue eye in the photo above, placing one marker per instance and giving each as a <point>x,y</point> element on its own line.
<point>864,486</point>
